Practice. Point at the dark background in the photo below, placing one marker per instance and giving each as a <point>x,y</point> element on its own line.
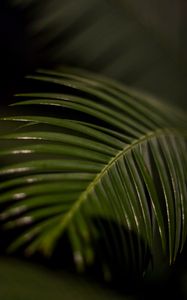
<point>141,43</point>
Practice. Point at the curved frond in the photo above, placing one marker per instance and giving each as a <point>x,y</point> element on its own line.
<point>91,153</point>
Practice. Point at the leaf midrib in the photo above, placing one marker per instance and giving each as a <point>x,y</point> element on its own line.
<point>82,198</point>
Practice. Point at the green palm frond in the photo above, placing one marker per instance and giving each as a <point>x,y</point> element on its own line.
<point>114,38</point>
<point>92,152</point>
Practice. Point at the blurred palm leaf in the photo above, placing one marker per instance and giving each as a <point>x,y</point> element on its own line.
<point>115,38</point>
<point>91,153</point>
<point>21,280</point>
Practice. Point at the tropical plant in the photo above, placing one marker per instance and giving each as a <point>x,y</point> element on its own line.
<point>91,171</point>
<point>107,163</point>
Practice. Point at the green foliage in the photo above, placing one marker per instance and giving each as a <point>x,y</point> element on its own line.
<point>30,282</point>
<point>117,38</point>
<point>92,154</point>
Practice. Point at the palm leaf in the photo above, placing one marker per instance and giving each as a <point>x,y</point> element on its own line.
<point>123,39</point>
<point>118,158</point>
<point>20,280</point>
